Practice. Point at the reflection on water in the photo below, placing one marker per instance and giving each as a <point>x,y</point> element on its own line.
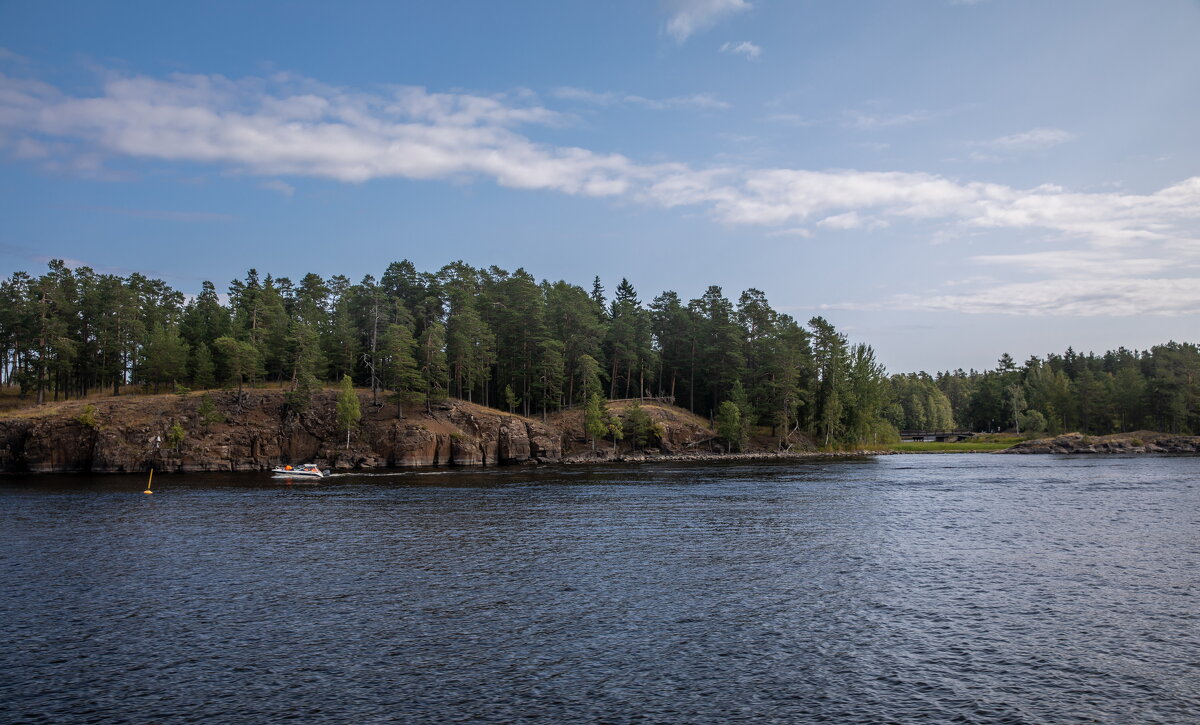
<point>939,588</point>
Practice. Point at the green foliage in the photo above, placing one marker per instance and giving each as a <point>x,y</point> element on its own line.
<point>594,419</point>
<point>1031,421</point>
<point>207,413</point>
<point>638,426</point>
<point>588,371</point>
<point>917,403</point>
<point>401,373</point>
<point>87,417</point>
<point>348,410</point>
<point>613,426</point>
<point>730,426</point>
<point>482,333</point>
<point>511,399</point>
<point>746,415</point>
<point>164,357</point>
<point>305,361</point>
<point>432,359</point>
<point>202,367</point>
<point>241,358</point>
<point>175,435</point>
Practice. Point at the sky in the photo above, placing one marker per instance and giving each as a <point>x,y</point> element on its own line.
<point>946,180</point>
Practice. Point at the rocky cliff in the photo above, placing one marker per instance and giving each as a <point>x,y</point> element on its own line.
<point>256,430</point>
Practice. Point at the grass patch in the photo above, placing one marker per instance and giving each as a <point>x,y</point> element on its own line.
<point>965,447</point>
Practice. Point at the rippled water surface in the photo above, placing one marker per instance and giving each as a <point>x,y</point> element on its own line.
<point>934,588</point>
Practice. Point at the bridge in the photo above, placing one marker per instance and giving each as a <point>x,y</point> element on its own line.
<point>935,436</point>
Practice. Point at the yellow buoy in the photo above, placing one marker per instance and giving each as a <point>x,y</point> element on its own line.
<point>148,486</point>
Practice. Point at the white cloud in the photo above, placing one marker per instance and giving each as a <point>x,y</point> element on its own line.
<point>850,220</point>
<point>1085,263</point>
<point>296,127</point>
<point>790,119</point>
<point>300,128</point>
<point>695,101</point>
<point>280,186</point>
<point>1100,297</point>
<point>690,16</point>
<point>1033,140</point>
<point>746,48</point>
<point>800,232</point>
<point>293,127</point>
<point>870,121</point>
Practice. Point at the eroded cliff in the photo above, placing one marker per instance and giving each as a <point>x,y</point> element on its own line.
<point>256,430</point>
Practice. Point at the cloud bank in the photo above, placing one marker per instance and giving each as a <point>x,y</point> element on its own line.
<point>285,126</point>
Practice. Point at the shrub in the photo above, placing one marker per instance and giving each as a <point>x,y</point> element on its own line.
<point>207,412</point>
<point>638,426</point>
<point>729,425</point>
<point>88,417</point>
<point>175,435</point>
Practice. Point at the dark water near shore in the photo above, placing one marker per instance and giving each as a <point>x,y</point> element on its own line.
<point>907,588</point>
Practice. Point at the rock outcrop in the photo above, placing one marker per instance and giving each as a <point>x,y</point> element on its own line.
<point>256,430</point>
<point>1138,442</point>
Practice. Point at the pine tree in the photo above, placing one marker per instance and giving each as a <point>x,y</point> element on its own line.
<point>401,373</point>
<point>203,370</point>
<point>432,353</point>
<point>306,361</point>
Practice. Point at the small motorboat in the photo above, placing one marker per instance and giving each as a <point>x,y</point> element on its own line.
<point>306,470</point>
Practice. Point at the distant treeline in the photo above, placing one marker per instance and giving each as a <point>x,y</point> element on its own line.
<point>506,340</point>
<point>1121,390</point>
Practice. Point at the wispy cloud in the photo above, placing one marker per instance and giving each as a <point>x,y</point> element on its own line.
<point>285,126</point>
<point>851,220</point>
<point>1032,140</point>
<point>7,56</point>
<point>687,17</point>
<point>695,101</point>
<point>1005,148</point>
<point>1081,263</point>
<point>297,127</point>
<point>280,186</point>
<point>790,119</point>
<point>746,48</point>
<point>1098,297</point>
<point>868,121</point>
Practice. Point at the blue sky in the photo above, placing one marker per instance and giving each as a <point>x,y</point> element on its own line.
<point>944,180</point>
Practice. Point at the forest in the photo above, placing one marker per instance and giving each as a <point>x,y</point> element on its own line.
<point>506,340</point>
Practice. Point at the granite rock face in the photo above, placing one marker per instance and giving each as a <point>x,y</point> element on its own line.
<point>256,430</point>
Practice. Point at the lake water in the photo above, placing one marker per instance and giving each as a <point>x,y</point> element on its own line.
<point>953,588</point>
